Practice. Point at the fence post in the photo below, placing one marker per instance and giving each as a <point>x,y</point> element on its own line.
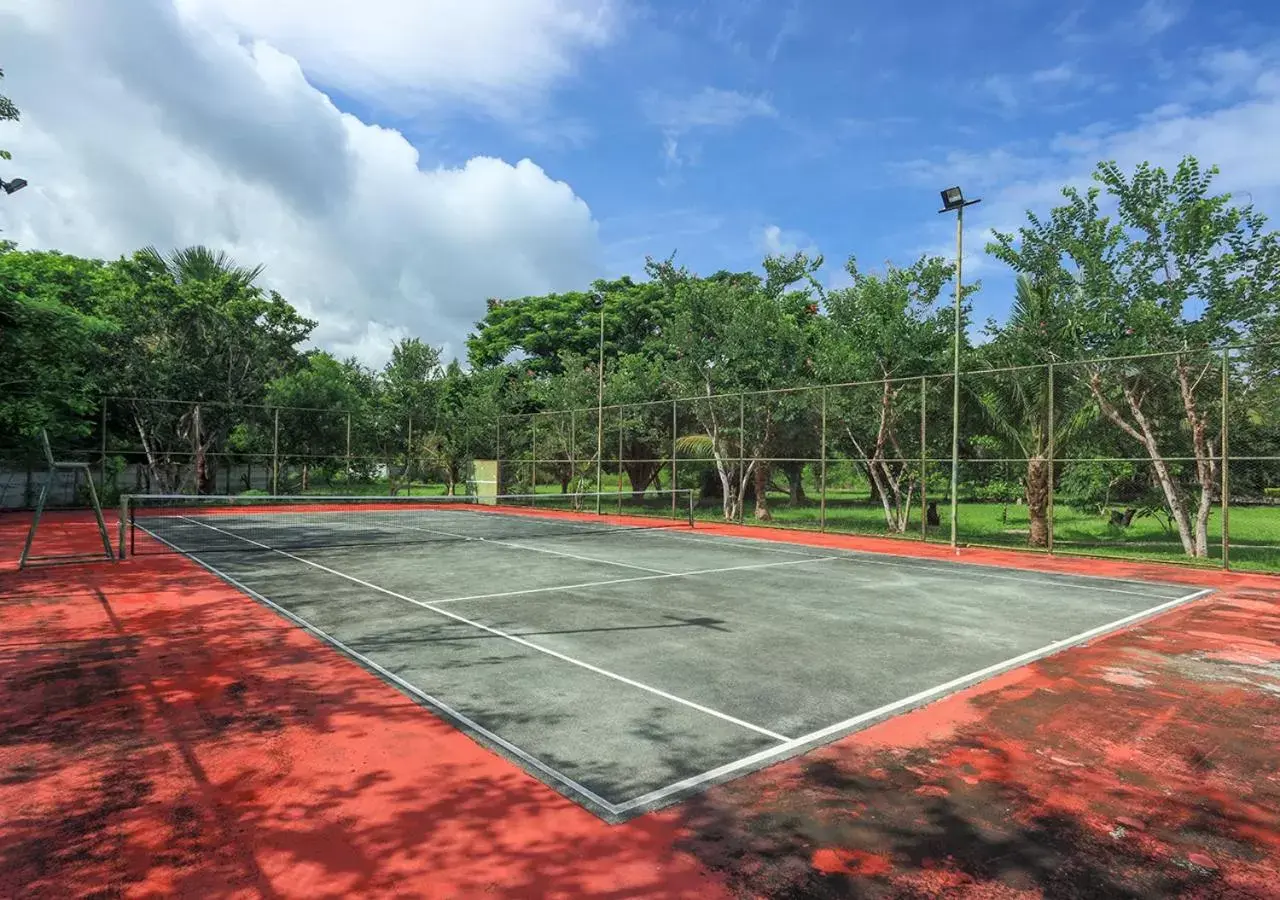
<point>497,453</point>
<point>275,454</point>
<point>1053,447</point>
<point>533,451</point>
<point>822,492</point>
<point>1226,465</point>
<point>742,457</point>
<point>675,485</point>
<point>573,453</point>
<point>348,452</point>
<point>621,425</point>
<point>408,461</point>
<point>599,448</point>
<point>924,460</point>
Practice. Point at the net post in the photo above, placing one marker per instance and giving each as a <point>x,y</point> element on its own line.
<point>122,526</point>
<point>822,490</point>
<point>275,453</point>
<point>1225,489</point>
<point>1052,448</point>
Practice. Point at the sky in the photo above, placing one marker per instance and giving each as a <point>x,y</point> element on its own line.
<point>395,163</point>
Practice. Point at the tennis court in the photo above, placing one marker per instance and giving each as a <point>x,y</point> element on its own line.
<point>629,661</point>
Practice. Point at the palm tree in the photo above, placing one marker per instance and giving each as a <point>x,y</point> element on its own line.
<point>1016,404</point>
<point>199,263</point>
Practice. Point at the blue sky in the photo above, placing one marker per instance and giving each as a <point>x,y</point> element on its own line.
<point>396,164</point>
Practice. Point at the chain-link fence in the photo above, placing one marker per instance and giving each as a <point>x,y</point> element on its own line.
<point>148,445</point>
<point>1171,456</point>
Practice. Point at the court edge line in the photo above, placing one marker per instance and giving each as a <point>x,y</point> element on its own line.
<point>501,543</point>
<point>904,562</point>
<point>907,702</point>
<point>611,581</point>
<point>511,637</point>
<point>413,689</point>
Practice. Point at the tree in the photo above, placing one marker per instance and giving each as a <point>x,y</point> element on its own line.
<point>733,333</point>
<point>882,331</point>
<point>540,329</point>
<point>409,385</point>
<point>316,403</point>
<point>200,332</point>
<point>1027,411</point>
<point>8,113</point>
<point>52,359</point>
<point>1179,268</point>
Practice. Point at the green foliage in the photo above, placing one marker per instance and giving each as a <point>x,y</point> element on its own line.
<point>53,357</point>
<point>8,113</point>
<point>541,329</point>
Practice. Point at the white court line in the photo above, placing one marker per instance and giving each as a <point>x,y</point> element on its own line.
<point>500,543</point>
<point>916,699</point>
<point>976,569</point>
<point>587,584</point>
<point>497,632</point>
<point>413,689</point>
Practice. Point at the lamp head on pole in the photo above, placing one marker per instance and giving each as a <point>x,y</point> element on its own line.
<point>12,187</point>
<point>953,199</point>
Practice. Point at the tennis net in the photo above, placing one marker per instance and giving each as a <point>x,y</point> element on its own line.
<point>158,523</point>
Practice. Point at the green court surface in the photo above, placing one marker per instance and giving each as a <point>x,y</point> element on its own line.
<point>629,667</point>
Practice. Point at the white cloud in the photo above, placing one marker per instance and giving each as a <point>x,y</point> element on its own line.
<point>1238,136</point>
<point>1059,74</point>
<point>709,108</point>
<point>407,54</point>
<point>775,241</point>
<point>1158,16</point>
<point>142,126</point>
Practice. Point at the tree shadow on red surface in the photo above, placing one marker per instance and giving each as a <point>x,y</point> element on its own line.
<point>1131,768</point>
<point>168,735</point>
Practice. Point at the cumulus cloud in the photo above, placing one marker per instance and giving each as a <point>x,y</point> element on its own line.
<point>409,53</point>
<point>145,124</point>
<point>776,241</point>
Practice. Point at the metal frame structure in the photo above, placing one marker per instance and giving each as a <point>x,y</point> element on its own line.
<point>54,468</point>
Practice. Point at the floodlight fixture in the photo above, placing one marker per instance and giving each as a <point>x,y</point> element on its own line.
<point>953,199</point>
<point>12,187</point>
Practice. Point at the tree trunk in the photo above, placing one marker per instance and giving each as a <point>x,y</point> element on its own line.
<point>641,475</point>
<point>1143,434</point>
<point>795,483</point>
<point>1037,488</point>
<point>762,492</point>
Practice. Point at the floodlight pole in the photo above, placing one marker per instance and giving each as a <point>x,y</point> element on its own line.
<point>953,199</point>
